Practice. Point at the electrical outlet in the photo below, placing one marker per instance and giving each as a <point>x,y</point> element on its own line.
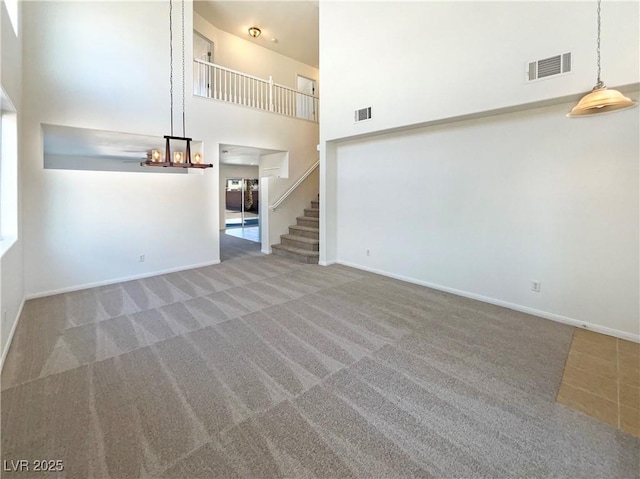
<point>535,285</point>
<point>141,258</point>
<point>368,252</point>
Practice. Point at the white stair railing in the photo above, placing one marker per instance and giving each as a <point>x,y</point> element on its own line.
<point>221,83</point>
<point>286,194</point>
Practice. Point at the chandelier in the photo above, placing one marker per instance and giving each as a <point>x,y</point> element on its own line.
<point>176,158</point>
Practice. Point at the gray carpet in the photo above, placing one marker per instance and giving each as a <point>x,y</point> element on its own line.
<point>262,367</point>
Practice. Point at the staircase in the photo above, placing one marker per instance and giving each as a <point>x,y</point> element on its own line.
<point>302,243</point>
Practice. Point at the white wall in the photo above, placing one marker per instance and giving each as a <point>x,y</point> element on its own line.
<point>495,202</point>
<point>11,48</point>
<point>105,67</point>
<point>485,206</point>
<point>233,171</point>
<point>233,52</point>
<point>11,262</point>
<point>274,164</point>
<point>414,62</point>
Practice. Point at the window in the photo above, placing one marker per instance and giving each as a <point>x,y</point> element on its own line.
<point>8,174</point>
<point>12,10</point>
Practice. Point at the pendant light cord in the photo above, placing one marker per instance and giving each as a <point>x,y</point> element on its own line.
<point>599,84</point>
<point>171,59</point>
<point>171,65</point>
<point>183,127</point>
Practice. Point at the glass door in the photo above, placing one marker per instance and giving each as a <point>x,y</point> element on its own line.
<point>241,202</point>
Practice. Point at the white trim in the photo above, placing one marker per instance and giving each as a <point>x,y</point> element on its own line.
<point>329,263</point>
<point>117,280</point>
<point>6,243</point>
<point>505,304</point>
<point>5,351</point>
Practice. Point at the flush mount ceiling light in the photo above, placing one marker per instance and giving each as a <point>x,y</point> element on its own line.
<point>601,99</point>
<point>180,158</point>
<point>255,32</point>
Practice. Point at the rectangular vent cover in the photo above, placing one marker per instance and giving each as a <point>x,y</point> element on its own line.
<point>548,67</point>
<point>363,114</point>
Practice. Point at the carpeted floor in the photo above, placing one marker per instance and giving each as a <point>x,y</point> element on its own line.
<point>261,367</point>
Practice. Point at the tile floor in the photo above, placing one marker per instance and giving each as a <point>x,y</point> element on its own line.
<point>235,217</point>
<point>602,379</point>
<point>251,233</point>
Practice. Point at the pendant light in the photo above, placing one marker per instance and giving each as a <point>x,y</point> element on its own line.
<point>180,158</point>
<point>601,99</point>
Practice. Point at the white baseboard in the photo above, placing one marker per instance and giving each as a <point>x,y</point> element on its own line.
<point>328,263</point>
<point>505,304</point>
<point>7,346</point>
<point>107,282</point>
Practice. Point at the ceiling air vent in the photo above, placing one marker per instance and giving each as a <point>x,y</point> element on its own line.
<point>549,67</point>
<point>363,114</point>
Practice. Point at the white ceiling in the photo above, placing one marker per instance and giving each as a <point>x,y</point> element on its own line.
<point>293,23</point>
<point>242,155</point>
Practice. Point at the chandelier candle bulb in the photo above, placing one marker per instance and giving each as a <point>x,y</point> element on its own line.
<point>156,156</point>
<point>178,157</point>
<point>197,158</point>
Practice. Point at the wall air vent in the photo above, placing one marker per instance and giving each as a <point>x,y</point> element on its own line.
<point>363,114</point>
<point>549,67</point>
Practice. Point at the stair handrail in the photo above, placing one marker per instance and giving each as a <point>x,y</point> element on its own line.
<point>286,194</point>
<point>236,72</point>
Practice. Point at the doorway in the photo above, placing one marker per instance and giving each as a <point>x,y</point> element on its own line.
<point>202,50</point>
<point>243,171</point>
<point>242,208</point>
<point>306,105</point>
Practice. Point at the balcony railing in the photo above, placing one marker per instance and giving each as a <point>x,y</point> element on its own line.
<point>221,83</point>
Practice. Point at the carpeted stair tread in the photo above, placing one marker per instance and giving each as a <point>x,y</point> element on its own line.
<point>301,239</point>
<point>309,229</point>
<point>312,212</point>
<point>300,242</point>
<point>292,249</point>
<point>302,255</point>
<point>305,231</point>
<point>308,218</point>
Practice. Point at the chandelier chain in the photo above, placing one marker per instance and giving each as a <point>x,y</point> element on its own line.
<point>599,84</point>
<point>171,60</point>
<point>183,116</point>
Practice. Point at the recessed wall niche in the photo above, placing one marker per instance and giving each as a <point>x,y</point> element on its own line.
<point>70,148</point>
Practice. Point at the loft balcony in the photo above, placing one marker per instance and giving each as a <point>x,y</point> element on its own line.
<point>224,84</point>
